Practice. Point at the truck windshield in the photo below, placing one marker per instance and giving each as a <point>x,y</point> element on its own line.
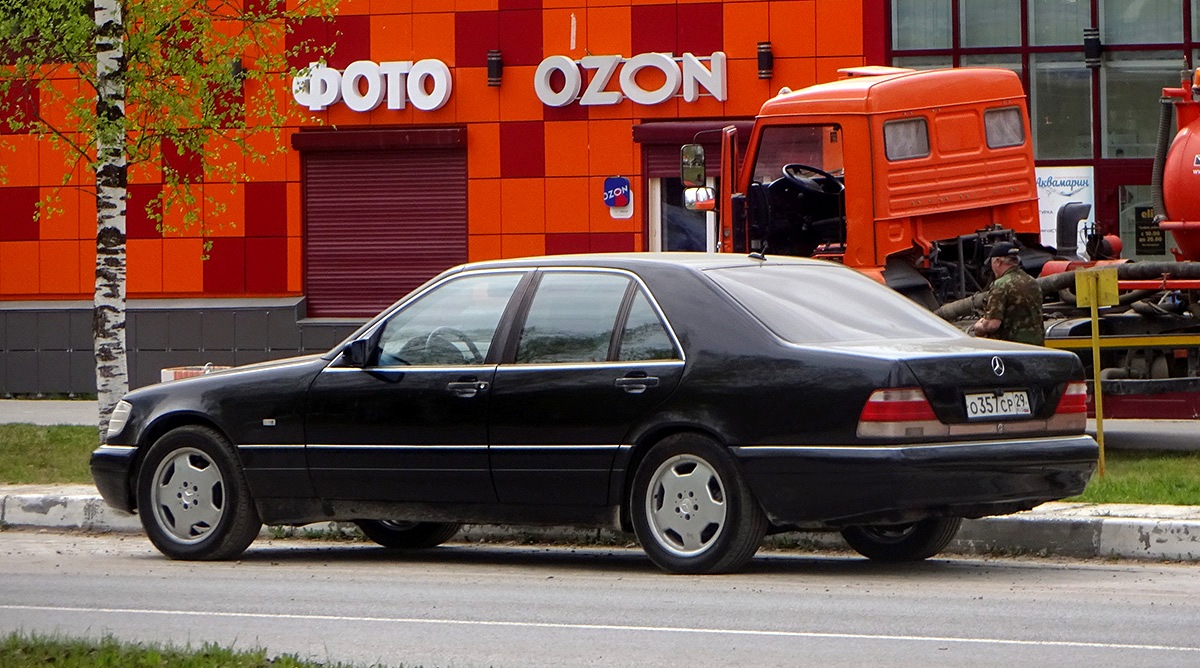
<point>817,146</point>
<point>796,203</point>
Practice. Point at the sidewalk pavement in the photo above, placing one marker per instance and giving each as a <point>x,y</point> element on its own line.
<point>1077,530</point>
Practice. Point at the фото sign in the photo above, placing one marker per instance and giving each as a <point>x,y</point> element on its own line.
<point>364,85</point>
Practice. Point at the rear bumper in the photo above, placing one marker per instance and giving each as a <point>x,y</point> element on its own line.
<point>836,485</point>
<point>111,468</point>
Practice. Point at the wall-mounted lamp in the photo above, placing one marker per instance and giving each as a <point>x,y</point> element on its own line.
<point>766,61</point>
<point>495,67</point>
<point>1092,47</point>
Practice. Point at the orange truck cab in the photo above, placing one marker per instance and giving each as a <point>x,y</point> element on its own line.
<point>909,176</point>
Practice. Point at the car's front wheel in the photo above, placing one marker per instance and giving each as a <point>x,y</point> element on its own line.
<point>192,497</point>
<point>408,535</point>
<point>691,509</point>
<point>903,542</point>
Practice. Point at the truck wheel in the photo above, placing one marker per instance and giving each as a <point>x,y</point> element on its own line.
<point>408,535</point>
<point>903,542</point>
<point>691,509</point>
<point>192,497</point>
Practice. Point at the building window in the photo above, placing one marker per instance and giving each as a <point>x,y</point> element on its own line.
<point>1130,82</point>
<point>1008,61</point>
<point>923,62</point>
<point>1141,21</point>
<point>1058,22</point>
<point>1061,109</point>
<point>921,24</point>
<point>994,23</point>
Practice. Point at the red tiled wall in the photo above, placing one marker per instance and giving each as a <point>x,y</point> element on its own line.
<point>535,173</point>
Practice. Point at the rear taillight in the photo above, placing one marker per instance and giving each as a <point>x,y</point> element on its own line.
<point>899,413</point>
<point>1074,399</point>
<point>1071,413</point>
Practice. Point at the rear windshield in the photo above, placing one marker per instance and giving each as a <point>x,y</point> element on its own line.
<point>828,304</point>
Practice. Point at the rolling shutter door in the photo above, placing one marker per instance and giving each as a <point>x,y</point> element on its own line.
<point>379,222</point>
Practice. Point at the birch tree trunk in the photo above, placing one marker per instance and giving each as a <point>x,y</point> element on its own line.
<point>108,315</point>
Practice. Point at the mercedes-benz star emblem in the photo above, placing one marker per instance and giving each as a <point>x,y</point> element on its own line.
<point>997,366</point>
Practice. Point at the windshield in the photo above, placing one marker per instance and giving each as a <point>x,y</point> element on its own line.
<point>808,304</point>
<point>817,146</point>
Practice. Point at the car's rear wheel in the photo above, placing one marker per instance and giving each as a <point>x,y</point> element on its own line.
<point>192,497</point>
<point>408,535</point>
<point>691,509</point>
<point>903,542</point>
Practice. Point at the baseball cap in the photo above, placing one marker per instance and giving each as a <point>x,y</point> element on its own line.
<point>1004,249</point>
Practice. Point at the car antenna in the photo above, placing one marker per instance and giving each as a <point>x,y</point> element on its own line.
<point>759,254</point>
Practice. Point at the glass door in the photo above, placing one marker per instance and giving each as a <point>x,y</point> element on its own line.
<point>672,227</point>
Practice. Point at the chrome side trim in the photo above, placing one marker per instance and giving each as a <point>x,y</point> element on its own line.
<point>542,366</point>
<point>116,448</point>
<point>415,368</point>
<point>898,448</point>
<point>382,446</point>
<point>558,445</point>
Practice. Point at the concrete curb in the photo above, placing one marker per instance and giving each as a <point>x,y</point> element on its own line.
<point>1161,533</point>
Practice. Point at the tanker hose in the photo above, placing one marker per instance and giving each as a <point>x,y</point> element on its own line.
<point>1160,158</point>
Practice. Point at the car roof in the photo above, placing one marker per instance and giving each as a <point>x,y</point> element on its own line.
<point>639,260</point>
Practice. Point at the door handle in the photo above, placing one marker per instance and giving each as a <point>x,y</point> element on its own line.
<point>636,385</point>
<point>467,388</point>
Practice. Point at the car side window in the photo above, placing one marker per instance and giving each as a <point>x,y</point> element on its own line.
<point>571,318</point>
<point>644,337</point>
<point>452,324</point>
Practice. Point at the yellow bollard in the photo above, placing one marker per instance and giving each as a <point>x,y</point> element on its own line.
<point>1096,288</point>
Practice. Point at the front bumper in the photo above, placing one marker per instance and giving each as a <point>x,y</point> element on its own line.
<point>842,485</point>
<point>112,466</point>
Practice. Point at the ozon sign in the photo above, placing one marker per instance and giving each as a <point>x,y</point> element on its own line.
<point>687,73</point>
<point>364,85</point>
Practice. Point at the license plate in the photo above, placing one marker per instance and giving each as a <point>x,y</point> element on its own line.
<point>1006,404</point>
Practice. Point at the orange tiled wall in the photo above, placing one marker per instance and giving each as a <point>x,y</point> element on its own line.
<point>535,172</point>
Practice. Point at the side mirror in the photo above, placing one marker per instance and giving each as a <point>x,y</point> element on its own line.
<point>691,165</point>
<point>699,199</point>
<point>357,352</point>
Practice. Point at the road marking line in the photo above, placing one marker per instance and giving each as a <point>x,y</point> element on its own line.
<point>614,627</point>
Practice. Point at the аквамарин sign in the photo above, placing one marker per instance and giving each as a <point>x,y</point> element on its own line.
<point>427,84</point>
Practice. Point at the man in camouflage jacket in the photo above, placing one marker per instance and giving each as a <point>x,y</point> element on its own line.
<point>1014,306</point>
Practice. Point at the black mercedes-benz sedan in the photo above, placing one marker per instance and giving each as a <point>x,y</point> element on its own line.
<point>697,400</point>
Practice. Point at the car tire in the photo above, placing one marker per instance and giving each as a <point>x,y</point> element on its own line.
<point>408,535</point>
<point>903,542</point>
<point>720,527</point>
<point>192,496</point>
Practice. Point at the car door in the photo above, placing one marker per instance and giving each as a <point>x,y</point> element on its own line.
<point>590,356</point>
<point>411,423</point>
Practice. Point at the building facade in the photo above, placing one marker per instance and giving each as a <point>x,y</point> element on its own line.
<point>442,131</point>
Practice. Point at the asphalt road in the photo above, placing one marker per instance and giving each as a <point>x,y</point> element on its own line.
<point>463,605</point>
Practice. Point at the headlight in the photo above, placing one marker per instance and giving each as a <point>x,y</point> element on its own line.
<point>120,415</point>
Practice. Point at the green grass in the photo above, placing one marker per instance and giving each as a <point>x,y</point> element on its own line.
<point>47,455</point>
<point>1147,477</point>
<point>30,454</point>
<point>19,650</point>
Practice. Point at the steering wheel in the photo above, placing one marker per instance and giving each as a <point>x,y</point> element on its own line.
<point>827,184</point>
<point>457,334</point>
